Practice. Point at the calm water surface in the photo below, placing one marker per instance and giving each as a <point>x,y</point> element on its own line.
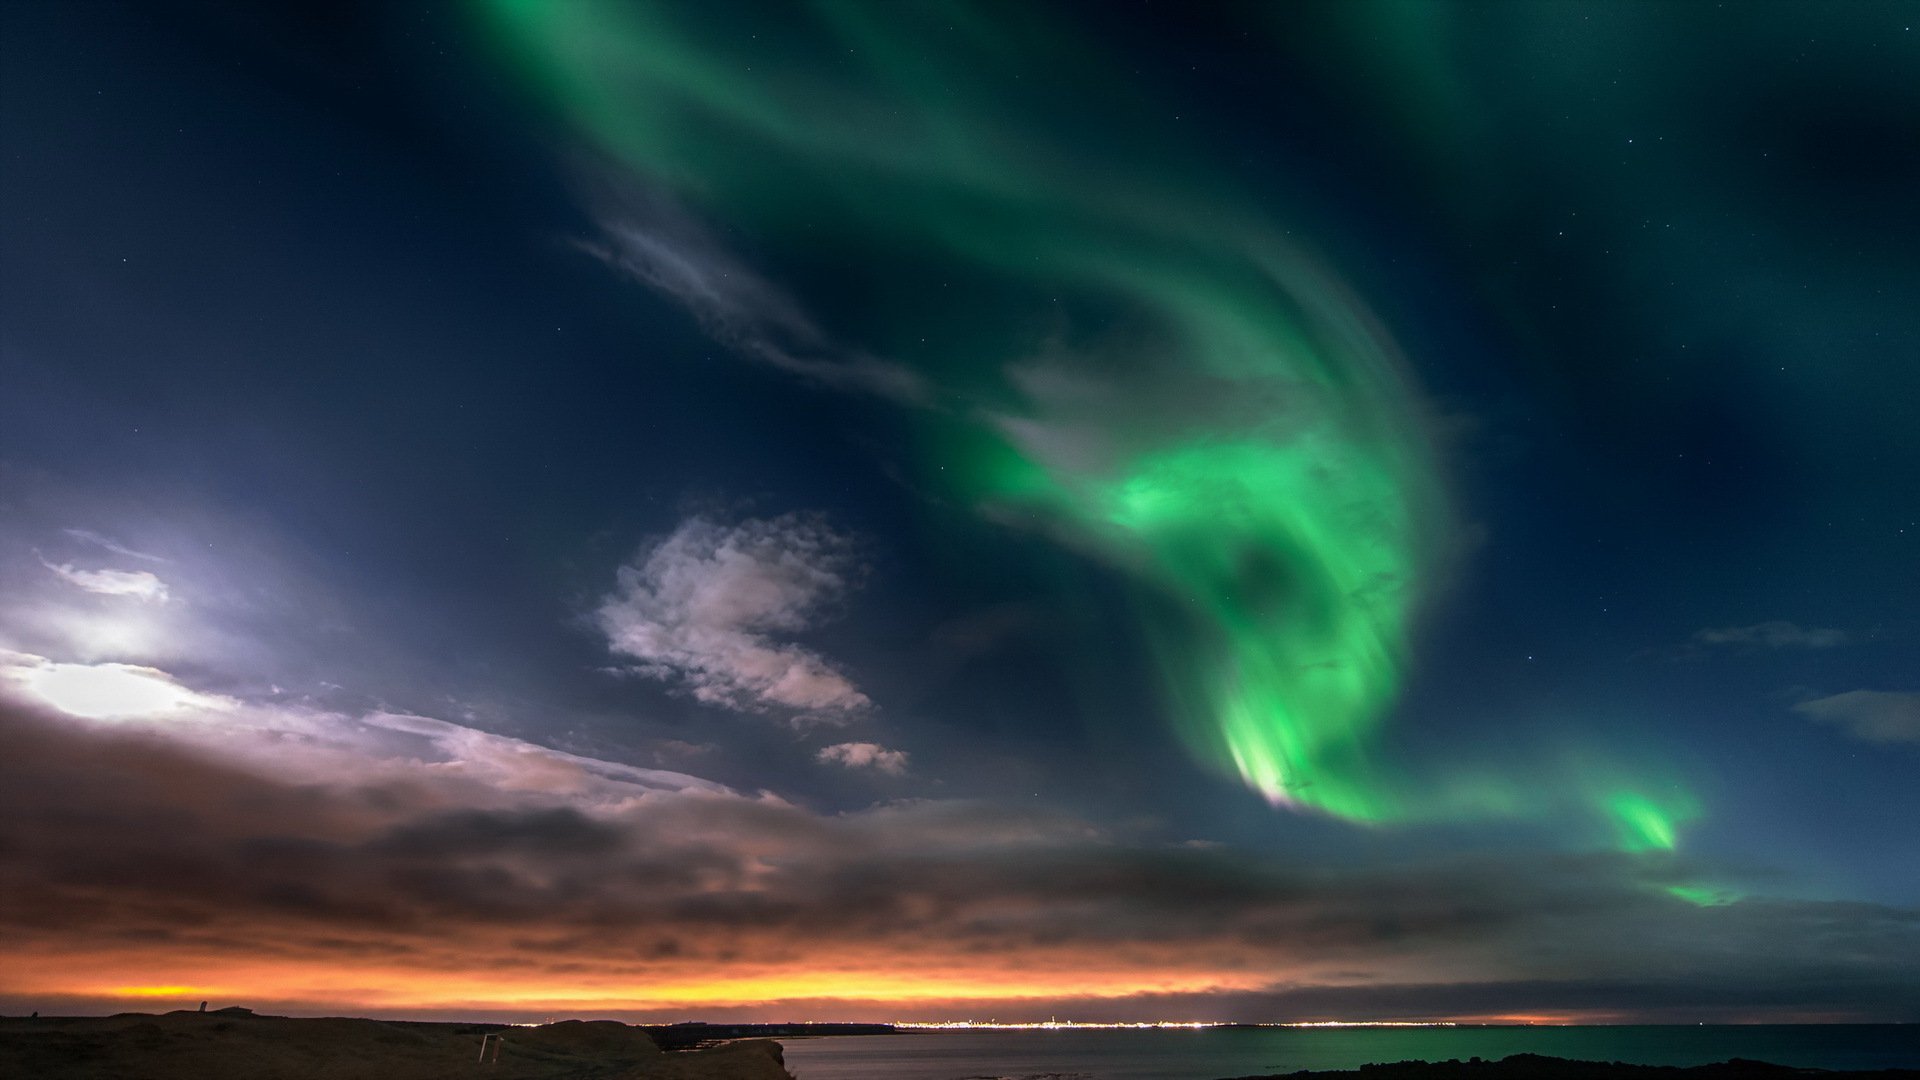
<point>1224,1052</point>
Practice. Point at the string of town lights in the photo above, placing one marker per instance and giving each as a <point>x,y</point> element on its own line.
<point>1077,1025</point>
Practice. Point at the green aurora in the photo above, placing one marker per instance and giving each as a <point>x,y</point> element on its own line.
<point>1106,339</point>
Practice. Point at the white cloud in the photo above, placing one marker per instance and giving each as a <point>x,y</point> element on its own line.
<point>1872,715</point>
<point>865,755</point>
<point>1773,634</point>
<point>702,606</point>
<point>139,584</point>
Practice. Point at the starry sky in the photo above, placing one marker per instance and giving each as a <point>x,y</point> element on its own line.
<point>859,511</point>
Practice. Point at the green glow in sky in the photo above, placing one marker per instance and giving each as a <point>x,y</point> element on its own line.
<point>1643,823</point>
<point>1702,895</point>
<point>1125,352</point>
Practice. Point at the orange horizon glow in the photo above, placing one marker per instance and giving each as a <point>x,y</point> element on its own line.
<point>109,978</point>
<point>817,997</point>
<point>901,998</point>
<point>417,992</point>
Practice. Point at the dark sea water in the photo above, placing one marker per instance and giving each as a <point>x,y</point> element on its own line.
<point>1209,1054</point>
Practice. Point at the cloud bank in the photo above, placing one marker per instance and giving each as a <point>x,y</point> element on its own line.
<point>703,608</point>
<point>489,875</point>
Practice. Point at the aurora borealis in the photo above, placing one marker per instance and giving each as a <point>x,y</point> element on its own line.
<point>1333,510</point>
<point>1208,410</point>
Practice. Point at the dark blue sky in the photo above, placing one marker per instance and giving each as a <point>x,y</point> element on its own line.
<point>359,366</point>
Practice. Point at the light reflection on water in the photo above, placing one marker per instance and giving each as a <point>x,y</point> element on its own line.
<point>1230,1052</point>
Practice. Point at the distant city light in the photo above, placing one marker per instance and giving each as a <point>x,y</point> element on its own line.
<point>1081,1025</point>
<point>1051,1025</point>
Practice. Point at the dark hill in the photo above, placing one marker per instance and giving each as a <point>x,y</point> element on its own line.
<point>237,1045</point>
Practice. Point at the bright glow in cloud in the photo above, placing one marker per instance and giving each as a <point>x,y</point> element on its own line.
<point>865,755</point>
<point>139,584</point>
<point>701,605</point>
<point>110,691</point>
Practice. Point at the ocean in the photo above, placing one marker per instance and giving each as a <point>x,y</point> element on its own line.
<point>1209,1054</point>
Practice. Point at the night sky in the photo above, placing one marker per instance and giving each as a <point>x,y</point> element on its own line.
<point>864,511</point>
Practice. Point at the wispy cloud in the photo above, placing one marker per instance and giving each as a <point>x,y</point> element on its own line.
<point>1772,634</point>
<point>661,246</point>
<point>865,755</point>
<point>88,536</point>
<point>139,584</point>
<point>702,608</point>
<point>1872,715</point>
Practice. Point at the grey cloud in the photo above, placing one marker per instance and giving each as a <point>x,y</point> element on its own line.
<point>493,832</point>
<point>702,608</point>
<point>1872,715</point>
<point>1773,634</point>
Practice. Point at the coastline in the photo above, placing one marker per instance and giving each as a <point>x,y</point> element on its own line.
<point>236,1044</point>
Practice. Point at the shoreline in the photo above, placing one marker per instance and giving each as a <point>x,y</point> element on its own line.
<point>237,1044</point>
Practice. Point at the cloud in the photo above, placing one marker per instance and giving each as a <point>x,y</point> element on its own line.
<point>303,743</point>
<point>88,536</point>
<point>1872,715</point>
<point>663,247</point>
<point>865,755</point>
<point>140,584</point>
<point>434,886</point>
<point>702,606</point>
<point>1773,634</point>
<point>404,863</point>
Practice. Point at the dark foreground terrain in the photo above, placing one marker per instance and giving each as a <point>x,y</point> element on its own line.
<point>237,1045</point>
<point>1535,1067</point>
